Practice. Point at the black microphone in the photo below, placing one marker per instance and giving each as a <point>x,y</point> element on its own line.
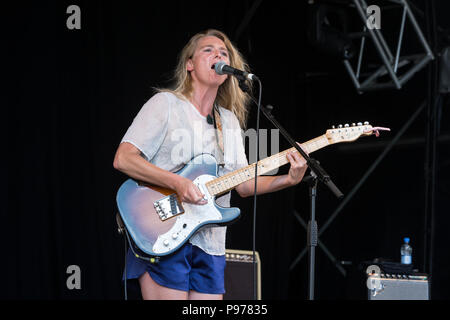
<point>222,68</point>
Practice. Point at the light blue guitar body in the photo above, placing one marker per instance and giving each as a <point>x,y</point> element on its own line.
<point>158,223</point>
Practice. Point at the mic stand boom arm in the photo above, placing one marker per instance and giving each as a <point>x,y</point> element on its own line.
<point>312,163</point>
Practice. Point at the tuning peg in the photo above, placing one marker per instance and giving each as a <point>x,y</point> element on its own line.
<point>359,124</point>
<point>366,123</point>
<point>333,127</point>
<point>353,124</point>
<point>340,126</point>
<point>346,125</point>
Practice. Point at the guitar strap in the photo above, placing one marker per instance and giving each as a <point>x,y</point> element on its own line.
<point>219,135</point>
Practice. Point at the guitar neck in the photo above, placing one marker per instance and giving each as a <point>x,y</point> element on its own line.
<point>230,180</point>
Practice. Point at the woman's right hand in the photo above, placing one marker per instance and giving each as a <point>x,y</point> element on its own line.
<point>128,160</point>
<point>188,192</point>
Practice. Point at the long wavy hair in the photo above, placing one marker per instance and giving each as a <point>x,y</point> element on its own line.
<point>229,95</point>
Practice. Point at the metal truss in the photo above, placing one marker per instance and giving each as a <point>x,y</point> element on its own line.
<point>391,64</point>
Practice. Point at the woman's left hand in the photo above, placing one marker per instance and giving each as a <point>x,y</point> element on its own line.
<point>298,167</point>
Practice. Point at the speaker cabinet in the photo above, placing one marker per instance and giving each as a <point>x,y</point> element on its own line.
<point>239,275</point>
<point>398,287</point>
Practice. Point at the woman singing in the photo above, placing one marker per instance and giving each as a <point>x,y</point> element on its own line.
<point>170,129</point>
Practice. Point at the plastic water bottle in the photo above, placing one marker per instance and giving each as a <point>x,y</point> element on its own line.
<point>406,252</point>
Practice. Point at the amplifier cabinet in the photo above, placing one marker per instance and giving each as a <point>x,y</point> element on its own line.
<point>239,275</point>
<point>398,287</point>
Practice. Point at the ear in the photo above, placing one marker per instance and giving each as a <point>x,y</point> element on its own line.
<point>189,65</point>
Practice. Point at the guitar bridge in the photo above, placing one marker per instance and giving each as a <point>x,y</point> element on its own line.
<point>168,207</point>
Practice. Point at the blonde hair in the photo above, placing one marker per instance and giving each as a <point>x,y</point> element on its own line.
<point>229,95</point>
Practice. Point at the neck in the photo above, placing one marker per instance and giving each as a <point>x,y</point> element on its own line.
<point>230,180</point>
<point>203,98</point>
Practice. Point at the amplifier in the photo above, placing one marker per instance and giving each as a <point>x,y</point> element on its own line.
<point>386,286</point>
<point>239,275</point>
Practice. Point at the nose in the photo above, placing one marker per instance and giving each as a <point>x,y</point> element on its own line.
<point>217,54</point>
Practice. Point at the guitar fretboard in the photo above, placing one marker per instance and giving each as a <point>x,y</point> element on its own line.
<point>230,180</point>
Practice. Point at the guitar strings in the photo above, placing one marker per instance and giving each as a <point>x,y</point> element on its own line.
<point>280,157</point>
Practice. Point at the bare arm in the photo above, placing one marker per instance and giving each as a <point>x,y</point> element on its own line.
<point>268,184</point>
<point>128,160</point>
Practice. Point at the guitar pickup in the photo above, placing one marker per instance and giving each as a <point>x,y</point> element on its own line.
<point>168,207</point>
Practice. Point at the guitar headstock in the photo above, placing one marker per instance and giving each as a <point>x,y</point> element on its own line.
<point>348,133</point>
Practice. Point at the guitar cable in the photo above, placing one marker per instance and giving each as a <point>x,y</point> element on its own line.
<point>127,241</point>
<point>125,269</point>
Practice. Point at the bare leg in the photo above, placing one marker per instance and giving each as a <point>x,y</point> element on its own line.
<point>194,295</point>
<point>152,291</point>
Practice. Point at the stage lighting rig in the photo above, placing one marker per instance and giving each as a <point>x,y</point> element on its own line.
<point>393,69</point>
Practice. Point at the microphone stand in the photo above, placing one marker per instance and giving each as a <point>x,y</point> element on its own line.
<point>317,174</point>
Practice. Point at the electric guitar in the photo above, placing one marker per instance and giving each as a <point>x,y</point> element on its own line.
<point>159,224</point>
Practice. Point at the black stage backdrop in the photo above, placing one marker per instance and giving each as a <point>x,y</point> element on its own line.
<point>71,95</point>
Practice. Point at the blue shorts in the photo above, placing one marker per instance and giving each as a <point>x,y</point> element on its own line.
<point>190,268</point>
